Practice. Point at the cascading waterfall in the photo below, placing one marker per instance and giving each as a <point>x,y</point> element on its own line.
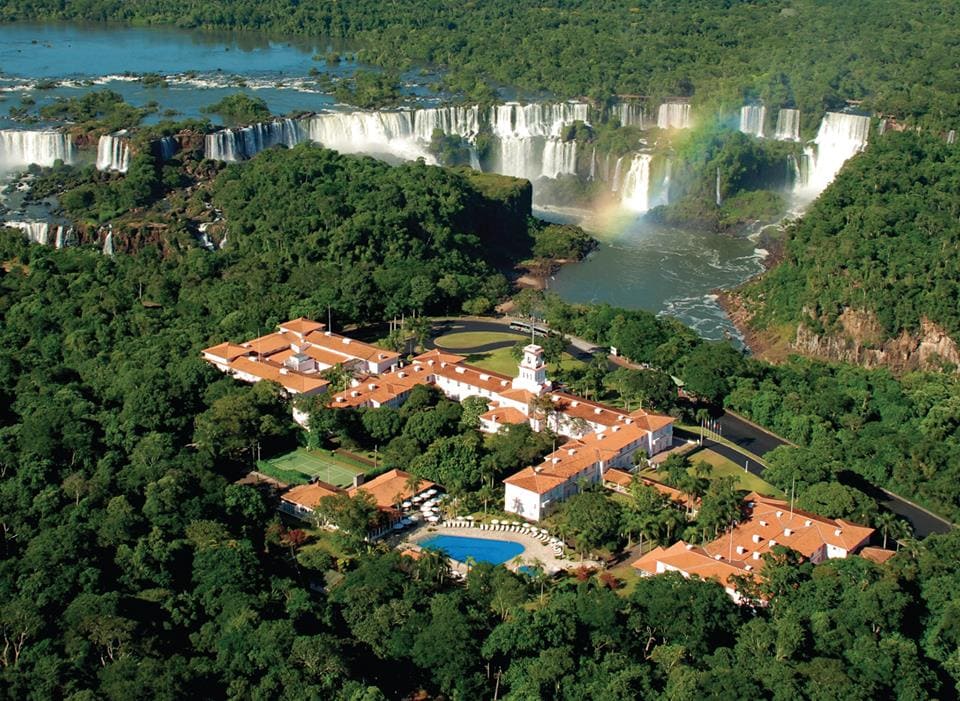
<point>166,147</point>
<point>952,136</point>
<point>559,158</point>
<point>630,114</point>
<point>615,183</point>
<point>19,149</point>
<point>719,198</point>
<point>635,190</point>
<point>788,125</point>
<point>674,115</point>
<point>840,137</point>
<point>462,121</point>
<point>514,120</point>
<point>113,152</point>
<point>45,233</point>
<point>752,120</point>
<point>240,144</point>
<point>389,133</point>
<point>108,244</point>
<point>593,164</point>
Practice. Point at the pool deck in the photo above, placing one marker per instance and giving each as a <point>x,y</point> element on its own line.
<point>533,549</point>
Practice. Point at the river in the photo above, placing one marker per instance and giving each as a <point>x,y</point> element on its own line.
<point>638,265</point>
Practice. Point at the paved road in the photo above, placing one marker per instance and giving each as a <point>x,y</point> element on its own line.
<point>760,442</point>
<point>747,436</point>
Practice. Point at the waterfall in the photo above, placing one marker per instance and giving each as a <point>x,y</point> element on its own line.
<point>840,137</point>
<point>719,199</point>
<point>615,184</point>
<point>514,120</point>
<point>593,164</point>
<point>45,233</point>
<point>108,244</point>
<point>752,119</point>
<point>19,149</point>
<point>113,152</point>
<point>788,125</point>
<point>952,136</point>
<point>516,157</point>
<point>462,121</point>
<point>635,190</point>
<point>559,158</point>
<point>674,115</point>
<point>240,144</point>
<point>166,147</point>
<point>528,139</point>
<point>390,133</point>
<point>630,114</point>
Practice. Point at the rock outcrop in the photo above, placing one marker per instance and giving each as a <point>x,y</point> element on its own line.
<point>859,340</point>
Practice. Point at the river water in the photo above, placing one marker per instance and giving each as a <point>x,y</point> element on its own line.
<point>638,265</point>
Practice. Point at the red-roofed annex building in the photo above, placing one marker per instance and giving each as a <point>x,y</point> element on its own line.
<point>766,523</point>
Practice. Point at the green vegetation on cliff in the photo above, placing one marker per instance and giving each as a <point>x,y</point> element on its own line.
<point>883,238</point>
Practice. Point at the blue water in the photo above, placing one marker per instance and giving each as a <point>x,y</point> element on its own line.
<point>496,552</point>
<point>201,68</point>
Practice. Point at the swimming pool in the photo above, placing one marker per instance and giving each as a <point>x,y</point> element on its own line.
<point>460,548</point>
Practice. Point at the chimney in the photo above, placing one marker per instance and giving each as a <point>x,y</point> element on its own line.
<point>741,550</point>
<point>756,554</point>
<point>838,531</point>
<point>763,523</point>
<point>787,532</point>
<point>689,546</point>
<point>772,542</point>
<point>718,556</point>
<point>808,523</point>
<point>748,567</point>
<point>357,480</point>
<point>779,514</point>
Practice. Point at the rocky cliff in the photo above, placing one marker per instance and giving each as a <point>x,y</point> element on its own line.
<point>858,340</point>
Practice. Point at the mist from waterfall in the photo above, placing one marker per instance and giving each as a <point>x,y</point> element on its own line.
<point>674,115</point>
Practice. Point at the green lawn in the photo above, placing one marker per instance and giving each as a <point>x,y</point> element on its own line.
<point>745,480</point>
<point>301,465</point>
<point>495,361</point>
<point>471,339</point>
<point>501,361</point>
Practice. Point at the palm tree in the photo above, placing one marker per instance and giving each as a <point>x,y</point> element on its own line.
<point>885,522</point>
<point>413,483</point>
<point>671,519</point>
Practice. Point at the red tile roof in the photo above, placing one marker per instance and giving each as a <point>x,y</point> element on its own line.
<point>309,495</point>
<point>391,488</point>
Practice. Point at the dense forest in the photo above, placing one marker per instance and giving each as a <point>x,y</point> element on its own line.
<point>802,53</point>
<point>881,239</point>
<point>132,567</point>
<point>132,563</point>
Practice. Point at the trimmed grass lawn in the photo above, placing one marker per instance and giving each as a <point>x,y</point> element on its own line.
<point>630,577</point>
<point>472,339</point>
<point>745,480</point>
<point>501,361</point>
<point>301,465</point>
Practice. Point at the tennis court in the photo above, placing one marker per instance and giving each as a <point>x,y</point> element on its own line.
<point>300,466</point>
